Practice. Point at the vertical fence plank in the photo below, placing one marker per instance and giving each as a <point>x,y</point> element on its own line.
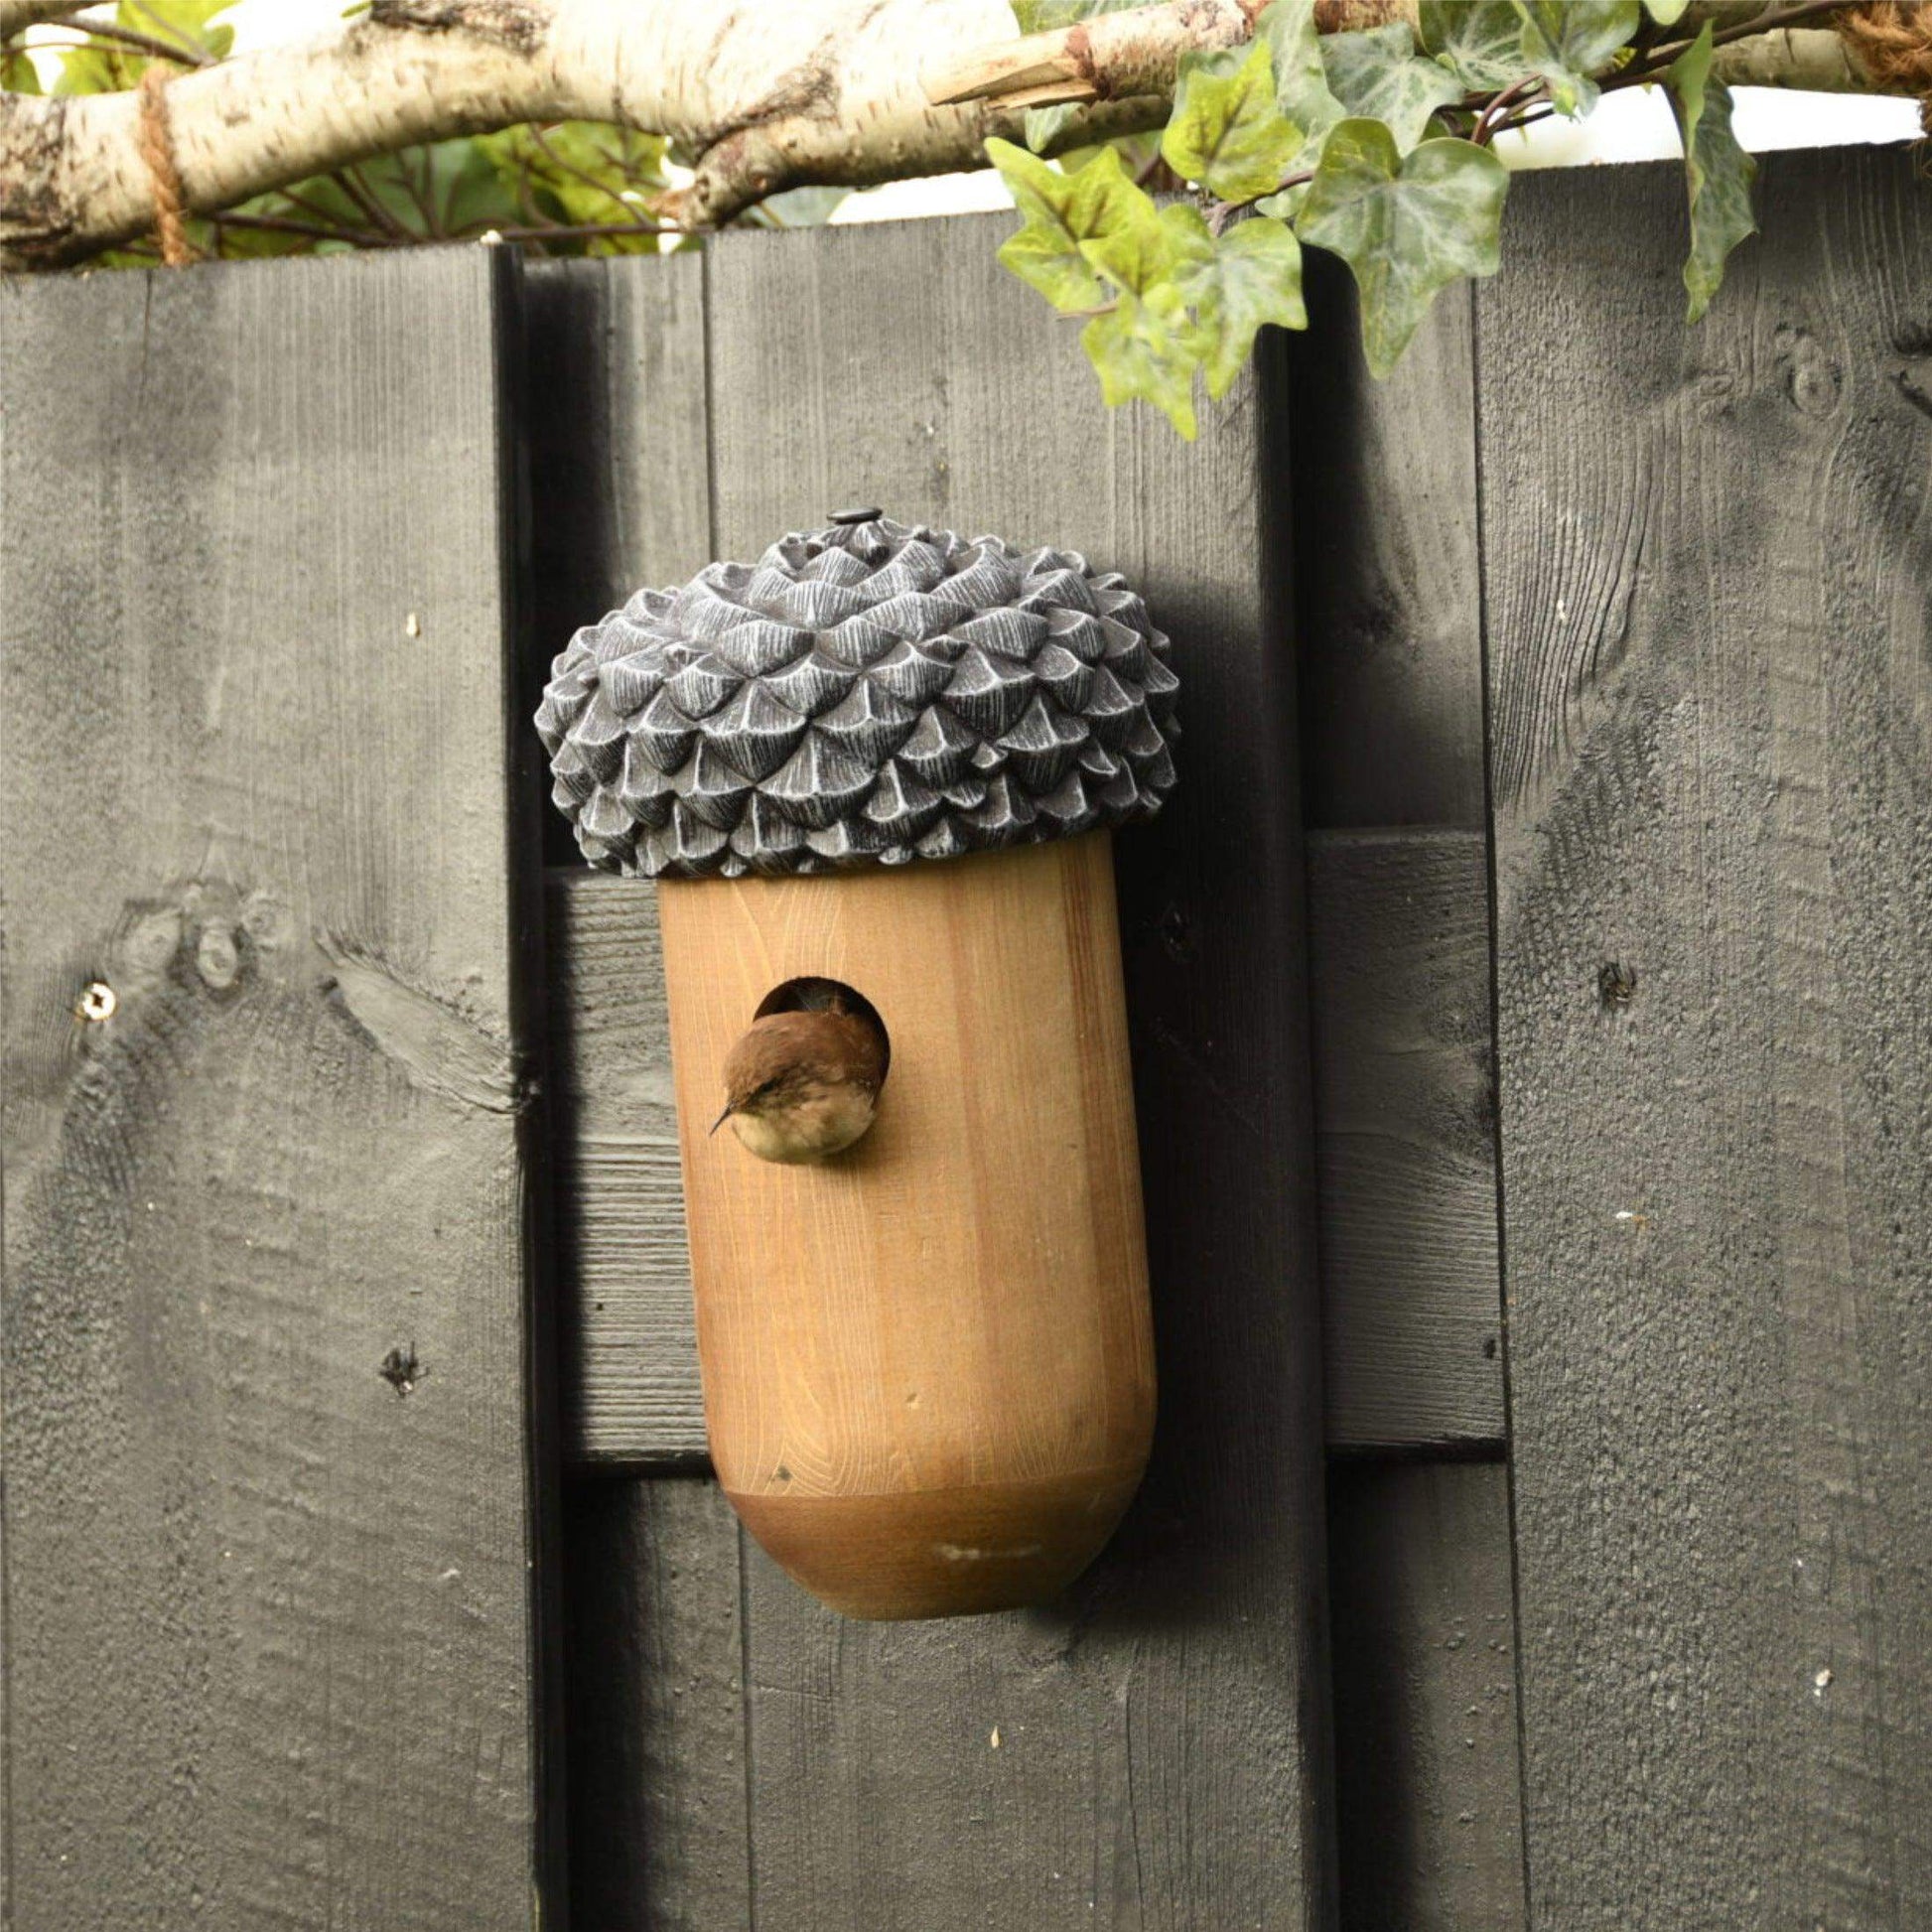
<point>1706,555</point>
<point>1388,595</point>
<point>1405,1135</point>
<point>1428,1799</point>
<point>620,497</point>
<point>631,1353</point>
<point>1388,592</point>
<point>658,1834</point>
<point>270,1480</point>
<point>1168,1762</point>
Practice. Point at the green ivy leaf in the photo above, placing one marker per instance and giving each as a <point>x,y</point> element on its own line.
<point>461,187</point>
<point>1666,13</point>
<point>1717,172</point>
<point>1302,90</point>
<point>1567,41</point>
<point>1139,255</point>
<point>1480,41</point>
<point>182,20</point>
<point>1060,211</point>
<point>108,69</point>
<point>1250,276</point>
<point>99,71</point>
<point>1042,127</point>
<point>1377,75</point>
<point>18,74</point>
<point>1226,133</point>
<point>578,174</point>
<point>1408,225</point>
<point>1138,153</point>
<point>1148,348</point>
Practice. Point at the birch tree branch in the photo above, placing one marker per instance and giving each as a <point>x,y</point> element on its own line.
<point>1140,51</point>
<point>766,94</point>
<point>1814,59</point>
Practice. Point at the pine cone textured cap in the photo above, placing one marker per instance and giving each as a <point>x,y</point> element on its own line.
<point>867,693</point>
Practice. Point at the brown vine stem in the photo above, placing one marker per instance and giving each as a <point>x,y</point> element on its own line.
<point>314,230</point>
<point>1220,213</point>
<point>1499,104</point>
<point>106,32</point>
<point>1152,168</point>
<point>586,231</point>
<point>350,182</point>
<point>420,185</point>
<point>557,161</point>
<point>1540,110</point>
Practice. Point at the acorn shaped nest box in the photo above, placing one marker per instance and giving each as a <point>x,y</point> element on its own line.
<point>875,776</point>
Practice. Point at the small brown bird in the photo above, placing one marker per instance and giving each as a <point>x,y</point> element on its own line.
<point>802,1086</point>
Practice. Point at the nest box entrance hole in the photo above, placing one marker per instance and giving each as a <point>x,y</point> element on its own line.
<point>810,994</point>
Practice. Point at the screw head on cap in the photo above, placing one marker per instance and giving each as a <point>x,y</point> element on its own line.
<point>864,515</point>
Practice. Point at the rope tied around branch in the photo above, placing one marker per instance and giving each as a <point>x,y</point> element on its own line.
<point>164,177</point>
<point>1892,40</point>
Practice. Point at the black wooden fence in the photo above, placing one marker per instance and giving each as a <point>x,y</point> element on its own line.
<point>1533,1051</point>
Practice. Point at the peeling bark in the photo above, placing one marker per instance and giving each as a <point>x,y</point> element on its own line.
<point>1133,53</point>
<point>767,96</point>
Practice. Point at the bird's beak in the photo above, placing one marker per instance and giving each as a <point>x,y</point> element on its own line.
<point>729,1109</point>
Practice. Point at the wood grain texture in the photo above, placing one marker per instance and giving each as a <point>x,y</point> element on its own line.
<point>1429,1791</point>
<point>1387,589</point>
<point>1705,570</point>
<point>615,422</point>
<point>270,1612</point>
<point>1180,1756</point>
<point>619,496</point>
<point>658,1839</point>
<point>1387,550</point>
<point>1405,1135</point>
<point>631,1390</point>
<point>1029,1769</point>
<point>1399,993</point>
<point>928,1364</point>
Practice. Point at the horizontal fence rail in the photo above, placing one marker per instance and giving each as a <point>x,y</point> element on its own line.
<point>1529,1050</point>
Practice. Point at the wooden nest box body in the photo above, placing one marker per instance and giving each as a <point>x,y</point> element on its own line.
<point>890,760</point>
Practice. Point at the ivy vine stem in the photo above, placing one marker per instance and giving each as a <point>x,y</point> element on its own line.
<point>107,32</point>
<point>1372,144</point>
<point>313,230</point>
<point>1535,112</point>
<point>1489,120</point>
<point>1220,213</point>
<point>588,180</point>
<point>350,182</point>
